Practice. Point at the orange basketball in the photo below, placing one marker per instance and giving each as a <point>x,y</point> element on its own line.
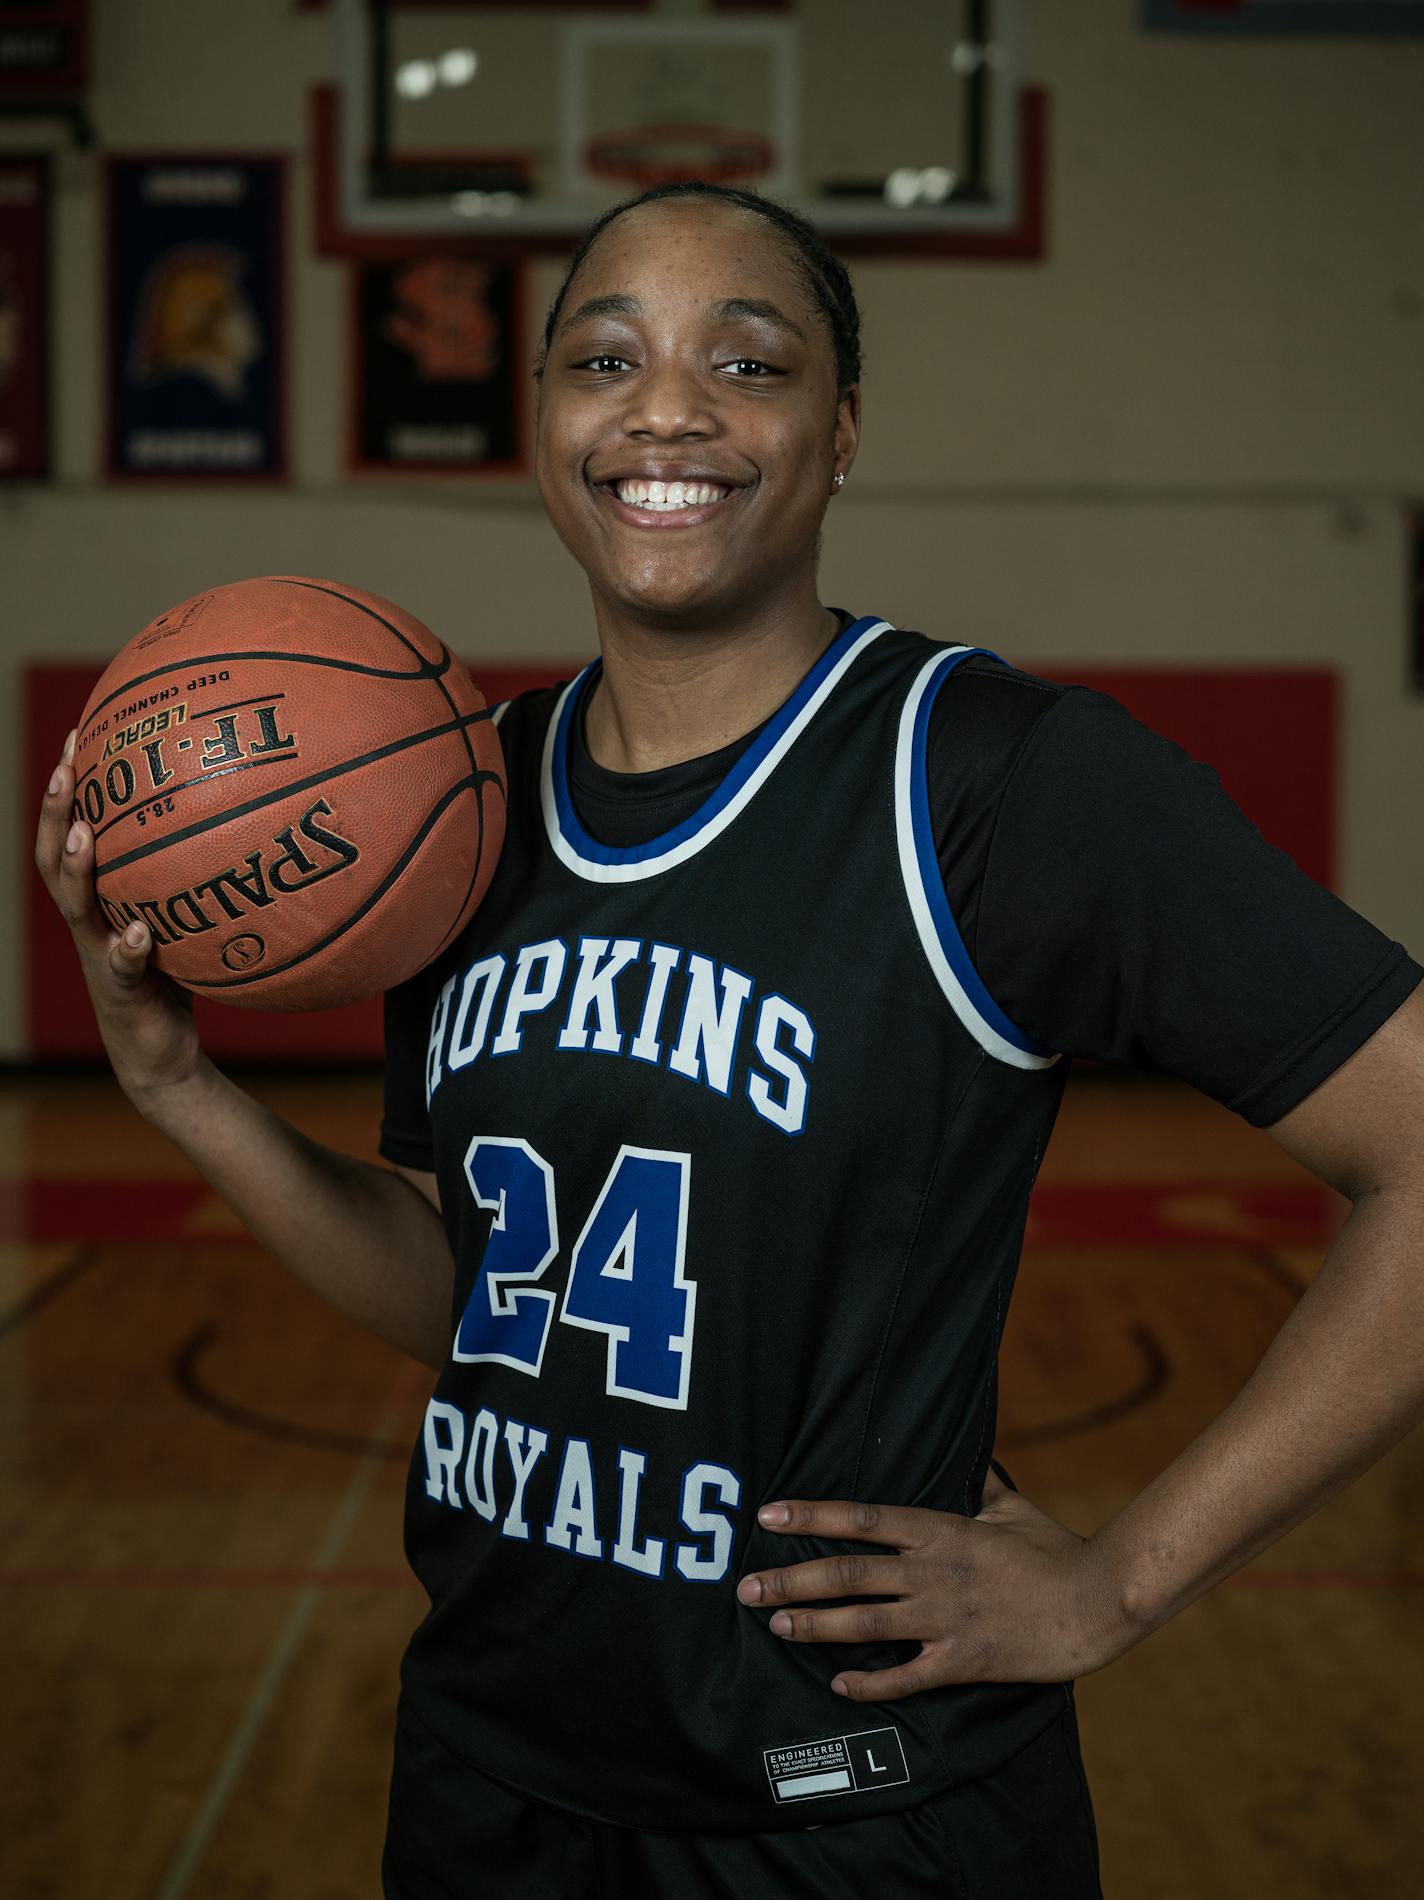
<point>297,788</point>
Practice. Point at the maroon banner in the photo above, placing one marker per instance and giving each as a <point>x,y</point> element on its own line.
<point>437,356</point>
<point>44,47</point>
<point>24,318</point>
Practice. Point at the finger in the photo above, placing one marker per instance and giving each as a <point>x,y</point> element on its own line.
<point>890,1685</point>
<point>128,955</point>
<point>55,819</point>
<point>852,1623</point>
<point>903,1525</point>
<point>848,1575</point>
<point>74,887</point>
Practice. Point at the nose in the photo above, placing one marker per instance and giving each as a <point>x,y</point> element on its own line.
<point>670,400</point>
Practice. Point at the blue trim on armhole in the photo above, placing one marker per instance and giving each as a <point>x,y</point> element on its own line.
<point>932,877</point>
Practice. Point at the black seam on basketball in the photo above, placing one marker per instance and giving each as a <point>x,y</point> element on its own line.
<point>427,670</point>
<point>208,712</point>
<point>440,686</point>
<point>264,699</point>
<point>310,783</point>
<point>485,778</point>
<point>205,985</point>
<point>445,694</point>
<point>258,699</point>
<point>223,771</point>
<point>318,587</point>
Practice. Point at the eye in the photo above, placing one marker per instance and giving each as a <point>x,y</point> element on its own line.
<point>596,363</point>
<point>754,363</point>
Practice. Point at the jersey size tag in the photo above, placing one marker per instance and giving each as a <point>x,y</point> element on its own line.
<point>837,1764</point>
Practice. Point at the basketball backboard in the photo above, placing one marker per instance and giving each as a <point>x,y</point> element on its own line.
<point>902,127</point>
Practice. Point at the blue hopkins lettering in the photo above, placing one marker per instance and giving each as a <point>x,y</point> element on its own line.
<point>652,1003</point>
<point>479,1463</point>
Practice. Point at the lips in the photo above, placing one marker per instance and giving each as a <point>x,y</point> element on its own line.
<point>688,515</point>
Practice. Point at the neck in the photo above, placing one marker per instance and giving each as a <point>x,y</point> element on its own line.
<point>664,697</point>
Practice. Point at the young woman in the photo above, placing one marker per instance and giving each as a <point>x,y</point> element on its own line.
<point>730,1100</point>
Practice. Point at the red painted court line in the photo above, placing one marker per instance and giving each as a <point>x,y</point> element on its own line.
<point>1190,1212</point>
<point>1185,1212</point>
<point>89,1210</point>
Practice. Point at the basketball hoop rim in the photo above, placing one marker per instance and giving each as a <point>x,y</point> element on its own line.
<point>732,154</point>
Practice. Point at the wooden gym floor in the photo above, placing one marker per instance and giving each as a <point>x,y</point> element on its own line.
<point>205,1600</point>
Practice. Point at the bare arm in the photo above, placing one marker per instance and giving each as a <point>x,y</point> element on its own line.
<point>367,1239</point>
<point>370,1242</point>
<point>1343,1380</point>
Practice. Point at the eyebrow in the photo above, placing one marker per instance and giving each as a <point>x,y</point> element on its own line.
<point>620,305</point>
<point>760,308</point>
<point>614,306</point>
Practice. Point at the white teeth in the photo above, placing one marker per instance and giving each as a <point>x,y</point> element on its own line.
<point>660,496</point>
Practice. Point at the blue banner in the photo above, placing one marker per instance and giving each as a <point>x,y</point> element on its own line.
<point>196,304</point>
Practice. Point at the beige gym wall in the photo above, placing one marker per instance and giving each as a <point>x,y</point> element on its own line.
<point>1189,435</point>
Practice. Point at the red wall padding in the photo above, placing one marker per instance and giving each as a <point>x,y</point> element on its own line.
<point>1271,736</point>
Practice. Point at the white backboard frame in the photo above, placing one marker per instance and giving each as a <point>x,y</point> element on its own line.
<point>506,217</point>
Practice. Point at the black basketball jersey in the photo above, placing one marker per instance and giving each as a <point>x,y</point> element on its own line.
<point>735,1151</point>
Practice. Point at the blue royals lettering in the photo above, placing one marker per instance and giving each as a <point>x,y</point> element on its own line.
<point>565,1494</point>
<point>617,996</point>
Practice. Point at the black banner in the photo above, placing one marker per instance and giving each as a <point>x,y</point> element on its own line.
<point>437,355</point>
<point>1333,17</point>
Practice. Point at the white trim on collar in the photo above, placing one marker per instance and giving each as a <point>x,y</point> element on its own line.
<point>612,864</point>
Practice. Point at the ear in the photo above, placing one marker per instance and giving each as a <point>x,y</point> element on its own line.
<point>847,427</point>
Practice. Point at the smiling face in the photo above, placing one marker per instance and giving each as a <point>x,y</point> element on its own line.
<point>689,349</point>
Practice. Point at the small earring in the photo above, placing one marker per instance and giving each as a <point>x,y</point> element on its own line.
<point>840,477</point>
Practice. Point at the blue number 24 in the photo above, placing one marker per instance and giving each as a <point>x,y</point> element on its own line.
<point>626,1278</point>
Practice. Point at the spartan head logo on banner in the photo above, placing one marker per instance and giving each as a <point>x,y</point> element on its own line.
<point>196,351</point>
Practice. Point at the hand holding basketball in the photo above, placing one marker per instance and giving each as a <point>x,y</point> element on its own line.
<point>146,1021</point>
<point>283,793</point>
<point>295,787</point>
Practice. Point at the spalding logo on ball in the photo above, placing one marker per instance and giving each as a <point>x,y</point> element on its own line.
<point>298,789</point>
